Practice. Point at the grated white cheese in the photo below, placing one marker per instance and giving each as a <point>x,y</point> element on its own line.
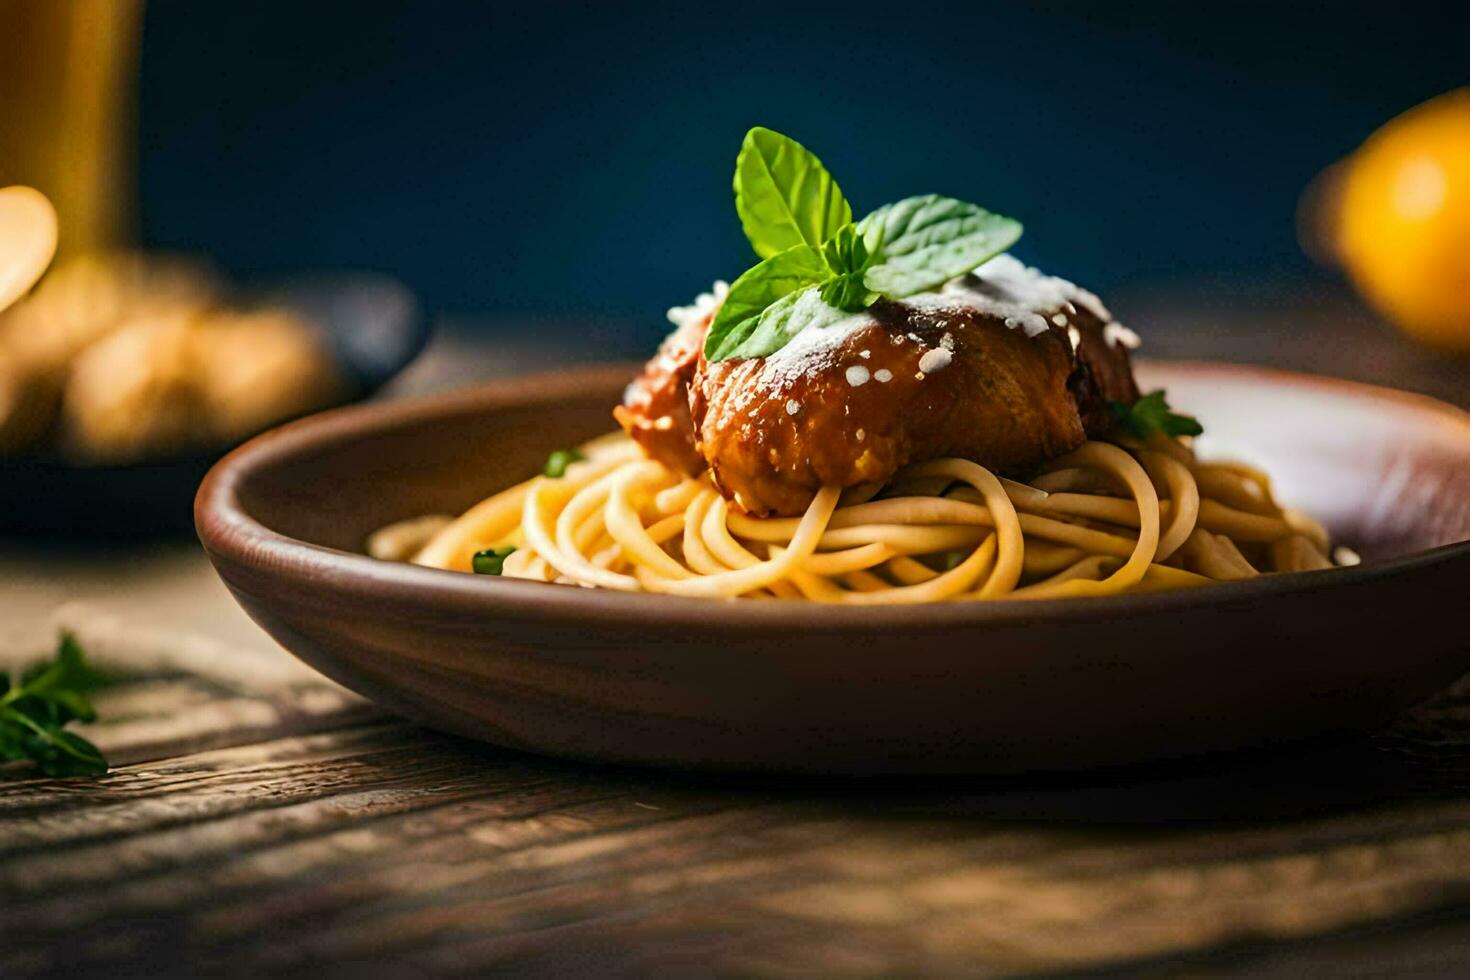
<point>935,360</point>
<point>792,406</point>
<point>813,350</point>
<point>1003,288</point>
<point>883,375</point>
<point>865,354</point>
<point>947,341</point>
<point>1008,288</point>
<point>704,304</point>
<point>1115,333</point>
<point>1034,324</point>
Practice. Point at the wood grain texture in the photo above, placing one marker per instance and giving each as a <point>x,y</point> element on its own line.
<point>380,846</point>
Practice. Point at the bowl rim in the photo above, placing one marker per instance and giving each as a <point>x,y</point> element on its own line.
<point>230,534</point>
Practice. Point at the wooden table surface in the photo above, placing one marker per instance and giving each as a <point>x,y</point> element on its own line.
<point>259,818</point>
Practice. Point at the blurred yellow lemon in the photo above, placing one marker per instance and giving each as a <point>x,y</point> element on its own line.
<point>1403,224</point>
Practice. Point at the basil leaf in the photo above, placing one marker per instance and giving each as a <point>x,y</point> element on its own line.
<point>848,292</point>
<point>782,320</point>
<point>846,251</point>
<point>1151,414</point>
<point>928,240</point>
<point>783,194</point>
<point>754,292</point>
<point>847,256</point>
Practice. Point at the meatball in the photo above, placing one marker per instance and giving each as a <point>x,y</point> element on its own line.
<point>655,409</point>
<point>1005,367</point>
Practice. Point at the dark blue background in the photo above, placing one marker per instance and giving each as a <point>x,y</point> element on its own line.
<point>570,159</point>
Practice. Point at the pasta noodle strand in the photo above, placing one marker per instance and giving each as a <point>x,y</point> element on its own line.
<point>1103,519</point>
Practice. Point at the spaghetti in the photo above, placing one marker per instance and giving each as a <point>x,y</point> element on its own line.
<point>1107,518</point>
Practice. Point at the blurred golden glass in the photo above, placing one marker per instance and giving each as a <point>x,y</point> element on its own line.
<point>1396,215</point>
<point>68,80</point>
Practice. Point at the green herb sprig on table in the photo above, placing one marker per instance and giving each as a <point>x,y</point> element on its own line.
<point>817,264</point>
<point>1151,414</point>
<point>35,711</point>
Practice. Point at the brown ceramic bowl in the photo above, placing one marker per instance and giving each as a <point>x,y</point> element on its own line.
<point>794,687</point>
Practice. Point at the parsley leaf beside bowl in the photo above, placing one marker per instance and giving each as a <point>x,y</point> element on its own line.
<point>35,711</point>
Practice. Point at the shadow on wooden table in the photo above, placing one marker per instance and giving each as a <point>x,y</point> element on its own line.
<point>1424,755</point>
<point>264,820</point>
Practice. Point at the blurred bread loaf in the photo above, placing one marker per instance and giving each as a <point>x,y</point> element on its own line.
<point>81,300</point>
<point>131,393</point>
<point>122,357</point>
<point>254,369</point>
